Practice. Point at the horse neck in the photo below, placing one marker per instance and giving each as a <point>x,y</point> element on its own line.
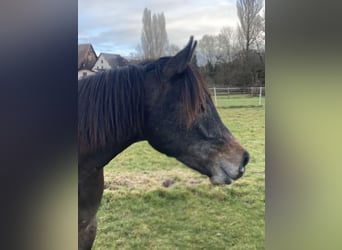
<point>111,106</point>
<point>121,145</point>
<point>102,156</point>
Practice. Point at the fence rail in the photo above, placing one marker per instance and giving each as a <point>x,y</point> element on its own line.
<point>238,97</point>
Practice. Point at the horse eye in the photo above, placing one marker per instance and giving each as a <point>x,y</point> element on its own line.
<point>203,131</point>
<point>221,141</point>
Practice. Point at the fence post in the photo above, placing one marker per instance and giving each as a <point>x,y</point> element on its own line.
<point>215,96</point>
<point>260,93</point>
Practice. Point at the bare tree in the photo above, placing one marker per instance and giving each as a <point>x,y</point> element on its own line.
<point>146,34</point>
<point>208,49</point>
<point>250,20</point>
<point>260,39</point>
<point>225,41</point>
<point>172,49</point>
<point>219,48</point>
<point>154,41</point>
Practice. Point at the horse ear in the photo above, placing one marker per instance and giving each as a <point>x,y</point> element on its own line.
<point>178,63</point>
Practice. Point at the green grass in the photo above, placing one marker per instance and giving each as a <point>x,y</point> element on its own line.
<point>138,212</point>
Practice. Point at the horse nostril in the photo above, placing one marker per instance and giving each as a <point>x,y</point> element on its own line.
<point>245,158</point>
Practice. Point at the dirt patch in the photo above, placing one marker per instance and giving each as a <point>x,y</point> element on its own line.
<point>152,180</point>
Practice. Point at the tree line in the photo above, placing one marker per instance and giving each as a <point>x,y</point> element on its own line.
<point>234,57</point>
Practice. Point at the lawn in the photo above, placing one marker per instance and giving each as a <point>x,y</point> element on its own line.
<point>152,201</point>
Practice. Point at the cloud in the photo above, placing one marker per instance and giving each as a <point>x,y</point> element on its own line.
<point>115,26</point>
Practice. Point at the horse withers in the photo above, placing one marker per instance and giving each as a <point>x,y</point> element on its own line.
<point>165,102</point>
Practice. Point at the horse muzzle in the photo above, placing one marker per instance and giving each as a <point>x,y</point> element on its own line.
<point>227,173</point>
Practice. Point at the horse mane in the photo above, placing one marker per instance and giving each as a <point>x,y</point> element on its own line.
<point>193,95</point>
<point>112,101</point>
<point>109,103</point>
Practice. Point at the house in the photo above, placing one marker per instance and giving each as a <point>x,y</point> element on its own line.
<point>107,61</point>
<point>86,60</point>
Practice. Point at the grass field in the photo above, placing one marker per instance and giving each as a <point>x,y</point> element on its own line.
<point>154,202</point>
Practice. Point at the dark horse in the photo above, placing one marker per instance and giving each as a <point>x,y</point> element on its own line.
<point>164,102</point>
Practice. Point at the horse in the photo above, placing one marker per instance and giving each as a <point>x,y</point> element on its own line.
<point>164,101</point>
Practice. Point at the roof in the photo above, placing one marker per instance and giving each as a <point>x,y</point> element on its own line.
<point>114,59</point>
<point>83,50</point>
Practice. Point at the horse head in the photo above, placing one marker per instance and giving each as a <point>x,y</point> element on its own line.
<point>181,119</point>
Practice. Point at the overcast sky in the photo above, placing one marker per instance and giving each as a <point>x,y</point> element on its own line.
<point>114,26</point>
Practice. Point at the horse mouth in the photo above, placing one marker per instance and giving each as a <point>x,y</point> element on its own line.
<point>219,177</point>
<point>222,178</point>
<point>219,181</point>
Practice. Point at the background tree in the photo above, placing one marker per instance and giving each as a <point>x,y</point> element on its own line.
<point>249,29</point>
<point>250,20</point>
<point>172,50</point>
<point>154,40</point>
<point>225,40</point>
<point>260,39</point>
<point>208,49</point>
<point>194,60</point>
<point>207,57</point>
